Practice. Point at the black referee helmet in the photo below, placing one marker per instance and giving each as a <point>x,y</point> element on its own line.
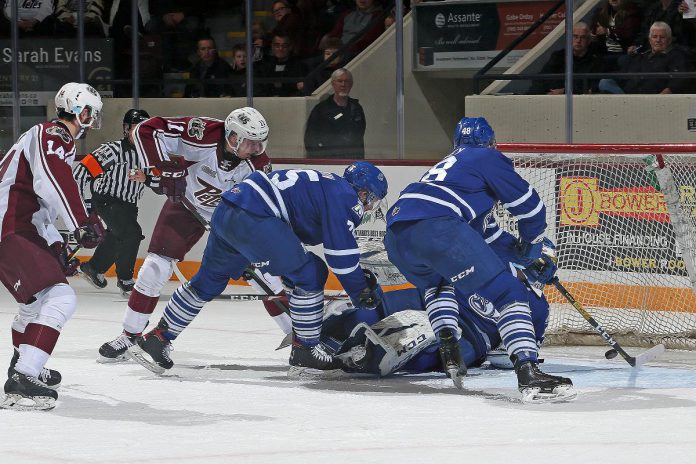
<point>134,116</point>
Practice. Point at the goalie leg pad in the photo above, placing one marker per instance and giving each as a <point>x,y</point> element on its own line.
<point>388,345</point>
<point>154,273</point>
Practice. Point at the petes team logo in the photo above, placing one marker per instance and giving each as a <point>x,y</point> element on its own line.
<point>244,119</point>
<point>196,126</point>
<point>60,132</point>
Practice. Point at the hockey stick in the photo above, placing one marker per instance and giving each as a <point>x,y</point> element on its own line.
<point>638,361</point>
<point>243,297</point>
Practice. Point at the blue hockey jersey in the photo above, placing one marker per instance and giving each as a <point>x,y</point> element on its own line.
<point>320,207</point>
<point>467,184</point>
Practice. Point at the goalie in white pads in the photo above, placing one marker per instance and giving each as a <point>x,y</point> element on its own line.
<point>438,236</point>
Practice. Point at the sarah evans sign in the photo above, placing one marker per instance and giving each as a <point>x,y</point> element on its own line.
<point>457,35</point>
<point>45,65</point>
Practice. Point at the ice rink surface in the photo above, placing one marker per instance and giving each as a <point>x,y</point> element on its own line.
<point>228,400</point>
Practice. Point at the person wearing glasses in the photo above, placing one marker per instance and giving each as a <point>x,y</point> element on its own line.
<point>281,65</point>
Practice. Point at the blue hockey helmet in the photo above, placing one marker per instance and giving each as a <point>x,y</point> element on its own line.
<point>473,132</point>
<point>364,176</point>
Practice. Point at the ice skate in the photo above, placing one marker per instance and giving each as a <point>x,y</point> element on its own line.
<point>91,276</point>
<point>25,393</point>
<point>152,350</point>
<point>115,350</point>
<point>539,387</point>
<point>126,287</point>
<point>49,377</point>
<point>451,358</point>
<point>313,362</point>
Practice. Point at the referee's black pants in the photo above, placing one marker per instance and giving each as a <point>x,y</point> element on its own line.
<point>123,236</point>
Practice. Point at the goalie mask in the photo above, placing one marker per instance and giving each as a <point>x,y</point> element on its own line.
<point>76,98</point>
<point>473,132</point>
<point>365,177</point>
<point>251,131</point>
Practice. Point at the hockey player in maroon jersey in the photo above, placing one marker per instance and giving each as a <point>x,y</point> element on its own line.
<point>213,156</point>
<point>36,187</point>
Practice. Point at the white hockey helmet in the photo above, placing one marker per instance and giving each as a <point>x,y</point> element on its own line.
<point>74,97</point>
<point>247,124</point>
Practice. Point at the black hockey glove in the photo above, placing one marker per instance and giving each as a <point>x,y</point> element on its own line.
<point>172,179</point>
<point>371,296</point>
<point>91,233</point>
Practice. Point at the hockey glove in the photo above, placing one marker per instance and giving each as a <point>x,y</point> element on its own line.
<point>370,296</point>
<point>528,253</point>
<point>543,270</point>
<point>91,233</point>
<point>68,263</point>
<point>172,179</point>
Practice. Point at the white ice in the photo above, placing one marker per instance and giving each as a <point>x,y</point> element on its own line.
<point>228,400</point>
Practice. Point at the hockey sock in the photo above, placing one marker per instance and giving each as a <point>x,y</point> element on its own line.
<point>442,309</point>
<point>182,308</point>
<point>138,312</point>
<point>307,311</point>
<point>37,346</point>
<point>517,331</point>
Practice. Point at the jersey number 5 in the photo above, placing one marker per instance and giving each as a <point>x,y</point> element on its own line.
<point>292,176</point>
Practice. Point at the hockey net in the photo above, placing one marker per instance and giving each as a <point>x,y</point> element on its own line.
<point>623,218</point>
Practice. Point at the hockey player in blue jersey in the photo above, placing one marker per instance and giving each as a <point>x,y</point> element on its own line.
<point>438,233</point>
<point>264,222</point>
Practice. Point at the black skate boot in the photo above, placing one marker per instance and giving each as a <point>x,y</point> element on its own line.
<point>91,276</point>
<point>126,286</point>
<point>25,393</point>
<point>152,350</point>
<point>539,387</point>
<point>49,377</point>
<point>451,357</point>
<point>115,350</point>
<point>312,361</point>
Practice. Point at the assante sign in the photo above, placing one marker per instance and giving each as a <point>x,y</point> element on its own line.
<point>60,55</point>
<point>464,18</point>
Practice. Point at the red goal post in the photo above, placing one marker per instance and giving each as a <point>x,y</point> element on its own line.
<point>624,220</point>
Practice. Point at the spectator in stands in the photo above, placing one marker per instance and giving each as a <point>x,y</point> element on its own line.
<point>336,126</point>
<point>615,26</point>
<point>281,64</point>
<point>584,61</point>
<point>318,77</point>
<point>667,11</point>
<point>66,15</point>
<point>178,26</point>
<point>239,70</point>
<point>209,68</point>
<point>365,21</point>
<point>34,18</point>
<point>661,57</point>
<point>259,36</point>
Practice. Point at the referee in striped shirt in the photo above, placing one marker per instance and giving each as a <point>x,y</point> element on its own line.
<point>116,184</point>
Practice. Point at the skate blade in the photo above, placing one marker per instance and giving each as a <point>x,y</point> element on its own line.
<point>118,359</point>
<point>140,356</point>
<point>287,341</point>
<point>17,402</point>
<point>559,394</point>
<point>308,373</point>
<point>458,379</point>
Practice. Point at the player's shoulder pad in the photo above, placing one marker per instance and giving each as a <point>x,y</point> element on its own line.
<point>262,163</point>
<point>202,130</point>
<point>55,135</point>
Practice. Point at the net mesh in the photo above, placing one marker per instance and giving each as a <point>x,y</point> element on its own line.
<point>611,218</point>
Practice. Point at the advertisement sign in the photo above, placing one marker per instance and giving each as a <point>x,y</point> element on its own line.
<point>614,220</point>
<point>46,64</point>
<point>455,35</point>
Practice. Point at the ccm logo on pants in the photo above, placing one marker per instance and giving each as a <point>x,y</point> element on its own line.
<point>462,274</point>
